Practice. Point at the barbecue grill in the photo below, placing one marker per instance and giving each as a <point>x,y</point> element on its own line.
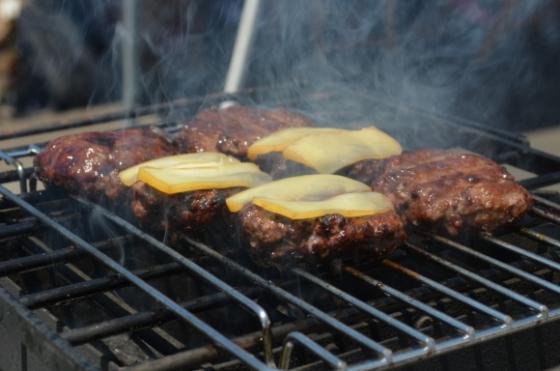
<point>82,287</point>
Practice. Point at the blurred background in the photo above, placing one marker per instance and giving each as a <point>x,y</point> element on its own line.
<point>496,62</point>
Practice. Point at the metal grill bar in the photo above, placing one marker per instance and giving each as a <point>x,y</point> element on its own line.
<point>541,181</point>
<point>31,149</point>
<point>297,337</point>
<point>193,357</point>
<point>19,169</point>
<point>110,282</point>
<point>545,214</point>
<point>115,326</point>
<point>511,269</point>
<point>99,119</point>
<point>176,106</point>
<point>508,246</point>
<point>40,260</point>
<point>463,327</point>
<point>12,175</point>
<point>202,327</point>
<point>540,237</point>
<point>541,308</point>
<point>314,311</point>
<point>504,318</point>
<point>427,341</point>
<point>29,226</point>
<point>544,201</point>
<point>247,303</point>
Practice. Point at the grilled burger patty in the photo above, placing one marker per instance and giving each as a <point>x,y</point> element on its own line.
<point>233,129</point>
<point>274,239</point>
<point>89,163</point>
<point>190,212</point>
<point>444,190</point>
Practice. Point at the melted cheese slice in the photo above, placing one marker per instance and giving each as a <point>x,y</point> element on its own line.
<point>178,180</point>
<point>279,140</point>
<point>328,152</point>
<point>190,160</point>
<point>302,188</point>
<point>348,205</point>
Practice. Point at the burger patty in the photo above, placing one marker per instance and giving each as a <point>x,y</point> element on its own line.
<point>88,163</point>
<point>444,190</point>
<point>233,129</point>
<point>191,212</point>
<point>274,239</point>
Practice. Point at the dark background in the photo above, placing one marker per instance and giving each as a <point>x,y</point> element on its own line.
<point>493,61</point>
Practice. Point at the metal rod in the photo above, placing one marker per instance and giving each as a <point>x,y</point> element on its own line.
<point>98,285</point>
<point>445,318</point>
<point>115,326</point>
<point>18,229</point>
<point>500,264</point>
<point>14,175</point>
<point>424,339</point>
<point>540,237</point>
<point>40,260</point>
<point>29,150</point>
<point>19,169</point>
<point>178,105</point>
<point>157,295</point>
<point>504,318</point>
<point>312,310</point>
<point>544,201</point>
<point>297,337</point>
<point>29,226</point>
<point>508,246</point>
<point>546,214</point>
<point>539,307</point>
<point>130,52</point>
<point>245,302</point>
<point>191,358</point>
<point>541,180</point>
<point>242,46</point>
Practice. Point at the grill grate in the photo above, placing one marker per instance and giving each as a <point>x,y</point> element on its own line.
<point>434,296</point>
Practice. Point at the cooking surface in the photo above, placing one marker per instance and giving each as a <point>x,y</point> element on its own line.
<point>492,286</point>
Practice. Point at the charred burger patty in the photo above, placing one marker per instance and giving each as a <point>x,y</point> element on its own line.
<point>88,163</point>
<point>444,190</point>
<point>233,129</point>
<point>190,212</point>
<point>274,239</point>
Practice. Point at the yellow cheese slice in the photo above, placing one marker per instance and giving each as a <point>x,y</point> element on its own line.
<point>190,160</point>
<point>179,180</point>
<point>277,141</point>
<point>301,188</point>
<point>329,152</point>
<point>348,205</point>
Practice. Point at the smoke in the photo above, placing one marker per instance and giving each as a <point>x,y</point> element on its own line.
<point>473,58</point>
<point>448,56</point>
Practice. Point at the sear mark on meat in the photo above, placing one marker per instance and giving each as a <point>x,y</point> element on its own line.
<point>276,240</point>
<point>447,191</point>
<point>233,129</point>
<point>89,163</point>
